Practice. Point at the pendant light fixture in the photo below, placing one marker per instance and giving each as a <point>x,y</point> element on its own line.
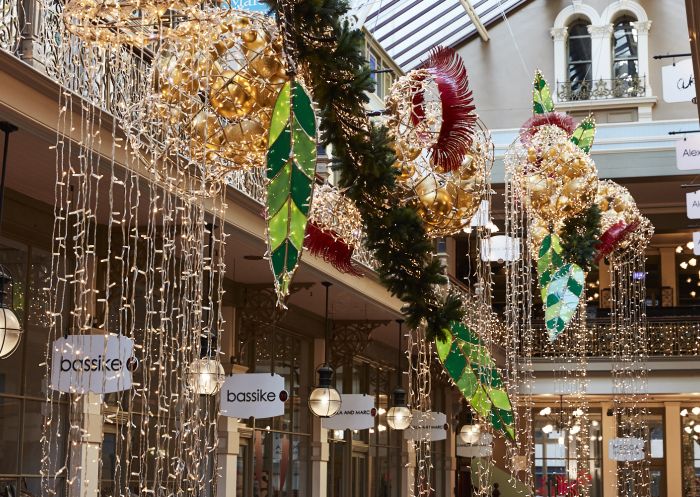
<point>470,433</point>
<point>325,400</point>
<point>206,374</point>
<point>10,329</point>
<point>399,416</point>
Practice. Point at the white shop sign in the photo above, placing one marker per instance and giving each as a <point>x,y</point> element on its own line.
<point>92,363</point>
<point>257,395</point>
<point>427,424</point>
<point>626,449</point>
<point>678,81</point>
<point>249,5</point>
<point>688,152</point>
<point>696,242</point>
<point>357,412</point>
<point>500,248</point>
<point>692,204</point>
<point>483,448</point>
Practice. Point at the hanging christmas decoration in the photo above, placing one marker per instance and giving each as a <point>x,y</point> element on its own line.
<point>214,82</point>
<point>472,368</point>
<point>291,170</point>
<point>334,229</point>
<point>622,225</point>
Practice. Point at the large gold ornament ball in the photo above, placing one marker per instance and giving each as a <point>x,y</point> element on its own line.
<point>617,205</point>
<point>232,95</point>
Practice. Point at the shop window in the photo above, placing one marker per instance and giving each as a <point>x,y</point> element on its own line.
<point>625,49</point>
<point>690,450</point>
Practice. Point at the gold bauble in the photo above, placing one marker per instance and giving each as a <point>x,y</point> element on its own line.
<point>245,132</point>
<point>406,170</point>
<point>426,190</point>
<point>206,127</point>
<point>406,153</point>
<point>265,65</point>
<point>443,202</point>
<point>255,40</point>
<point>232,95</point>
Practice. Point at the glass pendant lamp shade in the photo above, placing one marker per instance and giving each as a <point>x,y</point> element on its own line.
<point>325,401</point>
<point>205,376</point>
<point>399,416</point>
<point>470,433</point>
<point>10,329</point>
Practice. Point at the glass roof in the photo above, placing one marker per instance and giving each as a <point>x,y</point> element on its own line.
<point>408,29</point>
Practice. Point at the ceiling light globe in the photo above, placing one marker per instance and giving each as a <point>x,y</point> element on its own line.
<point>10,332</point>
<point>470,434</point>
<point>324,402</point>
<point>696,411</point>
<point>205,376</point>
<point>548,428</point>
<point>399,417</point>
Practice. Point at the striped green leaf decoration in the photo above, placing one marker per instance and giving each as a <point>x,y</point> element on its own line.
<point>468,362</point>
<point>549,261</point>
<point>563,294</point>
<point>584,134</point>
<point>291,168</point>
<point>541,96</point>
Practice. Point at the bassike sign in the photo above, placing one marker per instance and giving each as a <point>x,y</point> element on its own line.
<point>92,363</point>
<point>256,395</point>
<point>427,424</point>
<point>357,412</point>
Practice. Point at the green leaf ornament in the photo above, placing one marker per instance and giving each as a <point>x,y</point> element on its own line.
<point>584,134</point>
<point>549,261</point>
<point>470,365</point>
<point>291,169</point>
<point>563,295</point>
<point>541,95</point>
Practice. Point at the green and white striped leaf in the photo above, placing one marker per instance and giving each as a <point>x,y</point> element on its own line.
<point>291,169</point>
<point>584,134</point>
<point>470,365</point>
<point>549,261</point>
<point>563,295</point>
<point>541,96</point>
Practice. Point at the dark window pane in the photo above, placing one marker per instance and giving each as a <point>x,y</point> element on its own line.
<point>624,40</point>
<point>579,73</point>
<point>9,434</point>
<point>624,69</point>
<point>579,49</point>
<point>578,29</point>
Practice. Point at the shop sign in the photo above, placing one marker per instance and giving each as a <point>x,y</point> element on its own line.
<point>500,248</point>
<point>696,242</point>
<point>626,449</point>
<point>692,204</point>
<point>428,424</point>
<point>357,412</point>
<point>483,448</point>
<point>688,152</point>
<point>92,363</point>
<point>256,395</point>
<point>678,81</point>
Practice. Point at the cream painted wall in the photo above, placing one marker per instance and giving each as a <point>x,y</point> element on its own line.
<point>501,83</point>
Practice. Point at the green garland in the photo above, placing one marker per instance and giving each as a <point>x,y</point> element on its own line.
<point>579,237</point>
<point>329,55</point>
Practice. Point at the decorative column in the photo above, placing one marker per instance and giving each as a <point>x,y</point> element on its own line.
<point>559,35</point>
<point>319,440</point>
<point>86,448</point>
<point>668,275</point>
<point>601,51</point>
<point>643,28</point>
<point>673,448</point>
<point>609,431</point>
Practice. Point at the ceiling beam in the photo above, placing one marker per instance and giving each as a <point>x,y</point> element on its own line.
<point>475,19</point>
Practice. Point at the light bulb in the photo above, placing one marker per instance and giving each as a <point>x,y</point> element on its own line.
<point>693,293</point>
<point>10,332</point>
<point>546,411</point>
<point>324,402</point>
<point>399,417</point>
<point>696,411</point>
<point>688,430</point>
<point>693,262</point>
<point>205,376</point>
<point>575,429</point>
<point>684,265</point>
<point>679,249</point>
<point>696,428</point>
<point>560,440</point>
<point>690,245</point>
<point>684,412</point>
<point>548,428</point>
<point>688,280</point>
<point>594,423</point>
<point>470,433</point>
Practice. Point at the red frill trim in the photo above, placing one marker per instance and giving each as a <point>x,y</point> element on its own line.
<point>458,116</point>
<point>327,245</point>
<point>532,125</point>
<point>612,237</point>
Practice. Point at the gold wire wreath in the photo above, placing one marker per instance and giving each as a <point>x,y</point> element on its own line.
<point>333,212</point>
<point>214,85</point>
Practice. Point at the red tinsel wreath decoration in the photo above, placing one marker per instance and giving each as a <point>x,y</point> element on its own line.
<point>458,116</point>
<point>532,125</point>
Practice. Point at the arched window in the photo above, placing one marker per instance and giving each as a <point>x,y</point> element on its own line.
<point>579,56</point>
<point>625,53</point>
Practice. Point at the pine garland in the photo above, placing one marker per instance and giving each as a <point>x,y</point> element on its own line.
<point>579,237</point>
<point>329,56</point>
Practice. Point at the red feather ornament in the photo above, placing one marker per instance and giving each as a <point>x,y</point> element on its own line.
<point>612,238</point>
<point>329,246</point>
<point>458,116</point>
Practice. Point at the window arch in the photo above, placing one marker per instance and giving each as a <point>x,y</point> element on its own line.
<point>579,55</point>
<point>625,49</point>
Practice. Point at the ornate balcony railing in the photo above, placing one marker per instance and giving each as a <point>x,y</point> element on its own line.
<point>603,89</point>
<point>664,337</point>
